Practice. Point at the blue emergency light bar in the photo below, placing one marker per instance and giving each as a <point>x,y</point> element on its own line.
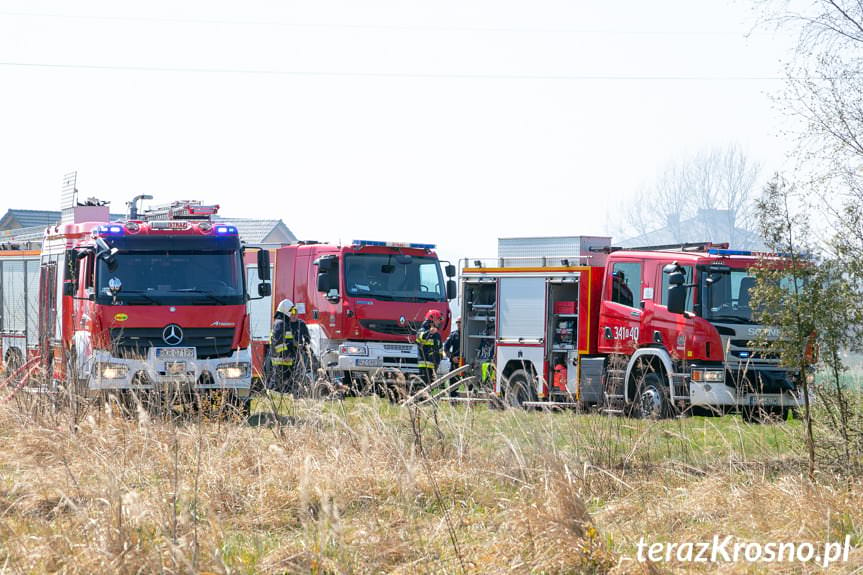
<point>111,230</point>
<point>226,230</point>
<point>370,243</point>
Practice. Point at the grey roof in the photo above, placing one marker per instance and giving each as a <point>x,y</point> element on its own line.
<point>23,235</point>
<point>261,232</point>
<point>28,218</point>
<point>715,226</point>
<point>15,219</point>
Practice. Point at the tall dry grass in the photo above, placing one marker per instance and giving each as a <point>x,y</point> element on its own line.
<point>365,487</point>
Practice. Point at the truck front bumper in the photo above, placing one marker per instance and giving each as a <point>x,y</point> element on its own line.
<point>720,394</point>
<point>231,372</point>
<point>374,357</point>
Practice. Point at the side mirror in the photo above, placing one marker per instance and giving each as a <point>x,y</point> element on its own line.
<point>264,289</point>
<point>326,263</point>
<point>450,271</point>
<point>676,278</point>
<point>451,289</point>
<point>323,282</point>
<point>68,289</point>
<point>677,298</point>
<point>264,265</point>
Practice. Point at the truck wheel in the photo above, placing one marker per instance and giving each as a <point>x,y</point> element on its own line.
<point>517,389</point>
<point>652,398</point>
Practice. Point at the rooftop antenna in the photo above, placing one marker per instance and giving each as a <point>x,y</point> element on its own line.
<point>68,197</point>
<point>133,205</point>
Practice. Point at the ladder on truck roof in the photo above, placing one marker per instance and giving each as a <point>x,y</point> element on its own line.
<point>181,210</point>
<point>683,247</point>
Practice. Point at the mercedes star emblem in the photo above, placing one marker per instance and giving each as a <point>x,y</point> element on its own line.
<point>172,334</point>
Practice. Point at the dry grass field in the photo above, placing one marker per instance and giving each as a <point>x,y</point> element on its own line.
<point>362,486</point>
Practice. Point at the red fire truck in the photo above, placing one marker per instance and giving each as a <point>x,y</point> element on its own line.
<point>362,303</point>
<point>135,304</point>
<point>654,331</point>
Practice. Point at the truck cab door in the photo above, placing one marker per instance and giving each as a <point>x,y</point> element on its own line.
<point>621,313</point>
<point>674,330</point>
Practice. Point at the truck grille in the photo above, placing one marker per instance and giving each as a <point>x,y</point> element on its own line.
<point>209,342</point>
<point>386,326</point>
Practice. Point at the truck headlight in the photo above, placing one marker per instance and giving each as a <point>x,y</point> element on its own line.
<point>233,370</point>
<point>708,375</point>
<point>112,370</point>
<point>353,349</point>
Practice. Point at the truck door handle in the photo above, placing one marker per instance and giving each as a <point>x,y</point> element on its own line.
<point>635,313</point>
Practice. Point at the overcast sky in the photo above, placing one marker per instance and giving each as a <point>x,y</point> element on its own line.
<point>453,122</point>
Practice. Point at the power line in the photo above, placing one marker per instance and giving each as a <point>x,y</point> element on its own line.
<point>392,27</point>
<point>416,75</point>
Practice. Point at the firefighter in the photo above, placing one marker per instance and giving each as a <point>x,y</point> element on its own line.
<point>452,348</point>
<point>288,336</point>
<point>429,344</point>
<point>452,345</point>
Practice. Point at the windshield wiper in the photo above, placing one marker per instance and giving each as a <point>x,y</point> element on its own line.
<point>377,296</point>
<point>730,318</point>
<point>209,294</point>
<point>139,294</point>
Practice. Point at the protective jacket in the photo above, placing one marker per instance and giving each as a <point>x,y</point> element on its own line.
<point>452,345</point>
<point>430,347</point>
<point>282,342</point>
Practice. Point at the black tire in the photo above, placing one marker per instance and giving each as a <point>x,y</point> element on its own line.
<point>517,389</point>
<point>323,389</point>
<point>652,399</point>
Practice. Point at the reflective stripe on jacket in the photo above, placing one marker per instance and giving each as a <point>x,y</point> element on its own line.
<point>429,347</point>
<point>282,343</point>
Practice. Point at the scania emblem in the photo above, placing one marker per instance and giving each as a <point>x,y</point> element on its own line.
<point>402,321</point>
<point>172,334</point>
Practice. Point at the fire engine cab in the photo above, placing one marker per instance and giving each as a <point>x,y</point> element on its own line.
<point>362,302</point>
<point>153,300</point>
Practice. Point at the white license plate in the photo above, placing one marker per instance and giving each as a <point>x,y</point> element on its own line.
<point>370,363</point>
<point>764,400</point>
<point>175,353</point>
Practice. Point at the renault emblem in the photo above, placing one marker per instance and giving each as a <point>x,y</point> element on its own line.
<point>172,334</point>
<point>402,321</point>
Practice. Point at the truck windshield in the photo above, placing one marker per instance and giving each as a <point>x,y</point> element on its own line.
<point>173,270</point>
<point>394,277</point>
<point>727,294</point>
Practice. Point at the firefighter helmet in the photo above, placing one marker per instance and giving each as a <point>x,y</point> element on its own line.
<point>434,315</point>
<point>285,307</point>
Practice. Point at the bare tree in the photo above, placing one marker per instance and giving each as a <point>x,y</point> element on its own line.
<point>715,186</point>
<point>824,90</point>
